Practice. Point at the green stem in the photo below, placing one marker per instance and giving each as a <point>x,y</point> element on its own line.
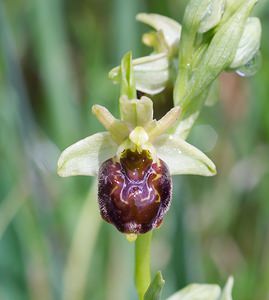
<point>185,63</point>
<point>142,263</point>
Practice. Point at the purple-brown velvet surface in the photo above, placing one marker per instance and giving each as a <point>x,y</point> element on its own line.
<point>134,193</point>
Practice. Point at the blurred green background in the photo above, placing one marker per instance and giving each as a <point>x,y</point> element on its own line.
<point>54,59</point>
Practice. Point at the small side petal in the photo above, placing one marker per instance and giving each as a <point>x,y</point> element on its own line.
<point>85,156</point>
<point>166,122</point>
<point>136,112</point>
<point>117,128</point>
<point>183,158</point>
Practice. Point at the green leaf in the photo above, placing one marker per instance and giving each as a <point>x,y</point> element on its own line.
<point>155,289</point>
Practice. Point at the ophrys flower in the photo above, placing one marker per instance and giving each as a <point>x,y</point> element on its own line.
<point>134,160</point>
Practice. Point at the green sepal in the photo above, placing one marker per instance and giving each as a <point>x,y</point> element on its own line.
<point>85,156</point>
<point>154,291</point>
<point>183,158</point>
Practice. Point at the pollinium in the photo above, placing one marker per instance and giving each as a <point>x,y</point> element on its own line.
<point>134,193</point>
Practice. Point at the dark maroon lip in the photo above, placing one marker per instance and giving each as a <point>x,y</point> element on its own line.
<point>135,193</point>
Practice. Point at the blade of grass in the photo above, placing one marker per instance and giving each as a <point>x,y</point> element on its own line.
<point>34,248</point>
<point>11,205</point>
<point>55,68</point>
<point>82,245</point>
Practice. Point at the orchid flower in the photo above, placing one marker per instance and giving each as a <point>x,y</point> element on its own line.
<point>153,72</point>
<point>134,160</point>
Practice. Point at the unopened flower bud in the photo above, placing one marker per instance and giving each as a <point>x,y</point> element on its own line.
<point>212,15</point>
<point>203,15</point>
<point>232,5</point>
<point>249,43</point>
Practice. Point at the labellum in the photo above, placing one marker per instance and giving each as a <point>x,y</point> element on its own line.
<point>134,192</point>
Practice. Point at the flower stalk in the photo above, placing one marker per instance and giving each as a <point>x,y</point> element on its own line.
<point>142,263</point>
